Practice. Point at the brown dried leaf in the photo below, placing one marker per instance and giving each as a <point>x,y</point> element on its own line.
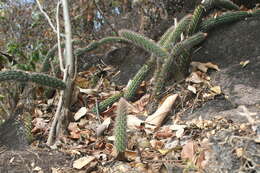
<point>157,118</point>
<point>80,113</point>
<point>189,150</point>
<point>82,162</point>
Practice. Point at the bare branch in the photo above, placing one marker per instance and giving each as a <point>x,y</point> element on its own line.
<point>47,17</point>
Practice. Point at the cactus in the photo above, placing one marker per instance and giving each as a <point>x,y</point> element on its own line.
<point>136,82</point>
<point>27,123</point>
<point>108,102</point>
<point>46,80</point>
<point>196,20</point>
<point>227,4</point>
<point>14,75</point>
<point>38,78</point>
<point>173,63</point>
<point>173,34</point>
<point>225,18</point>
<point>94,45</point>
<point>121,126</point>
<point>144,42</point>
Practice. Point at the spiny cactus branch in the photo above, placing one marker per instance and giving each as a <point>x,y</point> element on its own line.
<point>225,18</point>
<point>102,106</point>
<point>173,63</point>
<point>121,126</point>
<point>96,44</point>
<point>227,4</point>
<point>196,19</point>
<point>144,42</point>
<point>37,78</point>
<point>173,34</point>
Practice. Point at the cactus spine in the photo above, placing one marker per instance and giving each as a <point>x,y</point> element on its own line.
<point>38,78</point>
<point>121,126</point>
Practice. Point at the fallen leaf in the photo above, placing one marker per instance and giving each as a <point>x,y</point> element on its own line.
<point>239,152</point>
<point>157,118</point>
<point>189,150</point>
<point>244,63</point>
<point>192,89</point>
<point>216,89</point>
<point>81,162</point>
<point>39,124</point>
<point>194,78</point>
<point>133,122</point>
<point>88,91</point>
<point>179,132</point>
<point>131,155</point>
<point>102,127</point>
<point>203,66</point>
<point>164,151</point>
<point>80,113</point>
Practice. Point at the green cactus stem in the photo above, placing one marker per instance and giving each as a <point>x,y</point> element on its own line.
<point>102,106</point>
<point>173,34</point>
<point>38,78</point>
<point>46,80</point>
<point>227,4</point>
<point>174,63</point>
<point>136,82</point>
<point>94,45</point>
<point>121,126</point>
<point>225,18</point>
<point>196,20</point>
<point>14,75</point>
<point>144,42</point>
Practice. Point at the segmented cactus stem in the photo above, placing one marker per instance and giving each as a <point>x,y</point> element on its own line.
<point>14,75</point>
<point>136,82</point>
<point>225,18</point>
<point>196,20</point>
<point>37,78</point>
<point>144,42</point>
<point>175,63</point>
<point>102,106</point>
<point>121,126</point>
<point>46,80</point>
<point>94,45</point>
<point>227,4</point>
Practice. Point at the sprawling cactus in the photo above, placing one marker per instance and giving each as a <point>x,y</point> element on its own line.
<point>14,75</point>
<point>144,42</point>
<point>38,78</point>
<point>121,126</point>
<point>227,4</point>
<point>174,63</point>
<point>228,17</point>
<point>136,81</point>
<point>94,45</point>
<point>108,102</point>
<point>46,80</point>
<point>196,19</point>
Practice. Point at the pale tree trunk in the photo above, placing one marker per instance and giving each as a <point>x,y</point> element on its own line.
<point>61,118</point>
